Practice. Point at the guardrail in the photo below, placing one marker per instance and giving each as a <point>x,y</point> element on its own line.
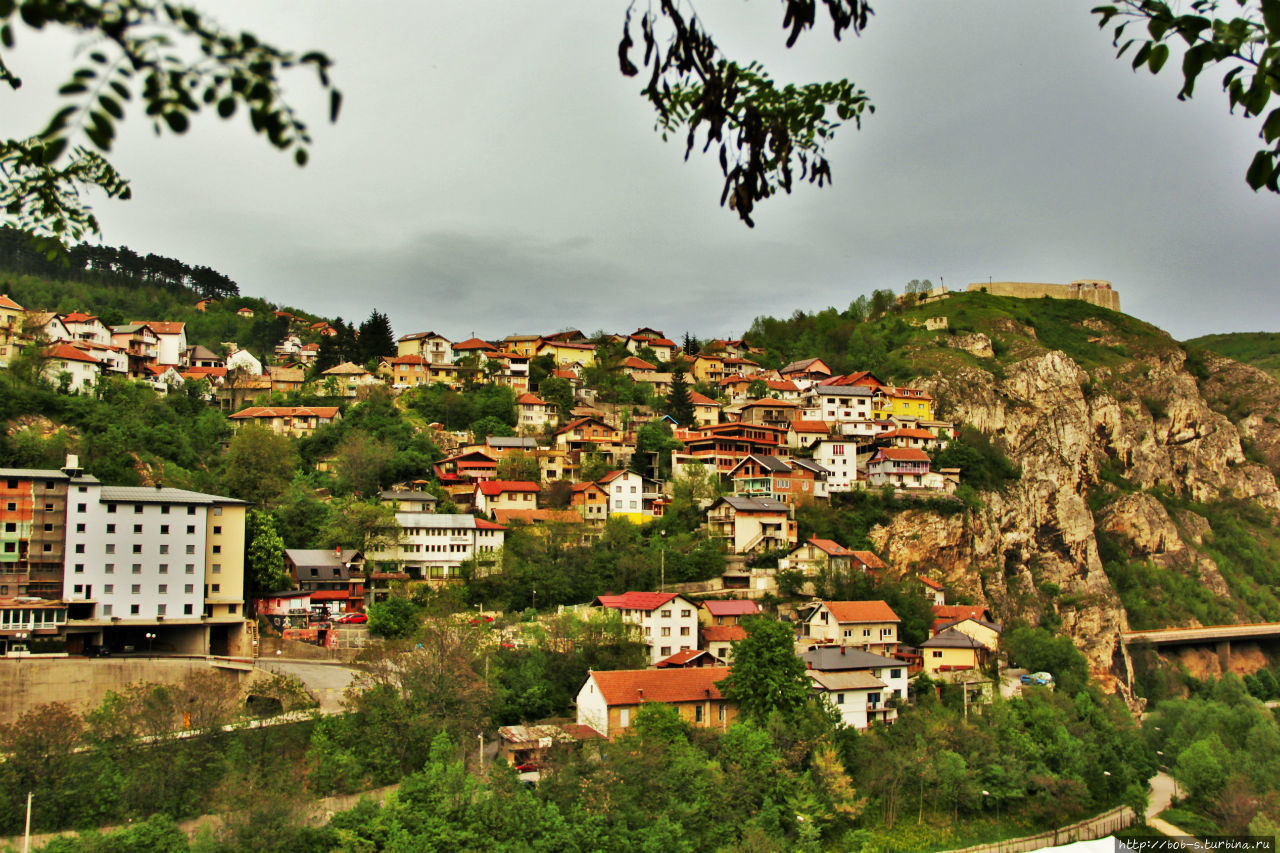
<point>1107,823</point>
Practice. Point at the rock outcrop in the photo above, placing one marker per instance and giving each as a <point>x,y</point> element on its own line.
<point>1033,549</point>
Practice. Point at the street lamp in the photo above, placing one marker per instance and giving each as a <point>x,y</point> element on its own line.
<point>997,799</point>
<point>20,636</point>
<point>151,635</point>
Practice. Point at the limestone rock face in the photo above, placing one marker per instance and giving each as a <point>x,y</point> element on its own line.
<point>1032,548</point>
<point>976,344</point>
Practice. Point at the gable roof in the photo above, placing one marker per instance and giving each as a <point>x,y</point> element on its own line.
<point>854,679</point>
<point>931,583</point>
<point>684,658</point>
<point>957,612</point>
<point>163,327</point>
<point>909,432</point>
<point>493,488</point>
<point>732,607</point>
<point>804,365</point>
<point>530,399</point>
<point>636,600</point>
<point>861,611</point>
<point>580,421</point>
<point>741,504</point>
<point>901,454</point>
<point>67,352</point>
<point>701,399</point>
<point>637,363</point>
<point>6,302</point>
<point>951,639</point>
<point>723,633</point>
<point>345,369</point>
<point>829,547</point>
<point>474,344</point>
<point>286,411</point>
<point>836,658</point>
<point>815,427</point>
<point>677,684</point>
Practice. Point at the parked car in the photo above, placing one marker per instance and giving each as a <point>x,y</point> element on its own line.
<point>92,651</point>
<point>527,767</point>
<point>1040,678</point>
<point>352,618</point>
<point>482,620</point>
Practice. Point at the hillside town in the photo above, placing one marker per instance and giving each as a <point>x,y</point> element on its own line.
<point>107,568</point>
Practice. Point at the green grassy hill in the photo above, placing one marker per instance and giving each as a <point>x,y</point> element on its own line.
<point>1260,349</point>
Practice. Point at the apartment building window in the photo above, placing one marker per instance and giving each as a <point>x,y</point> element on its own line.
<point>137,528</point>
<point>665,614</point>
<point>217,510</point>
<point>80,548</point>
<point>866,632</point>
<point>137,568</point>
<point>895,673</point>
<point>111,528</point>
<point>164,509</point>
<point>135,589</point>
<point>161,609</point>
<point>106,610</point>
<point>665,651</point>
<point>164,529</point>
<point>186,610</point>
<point>137,547</point>
<point>216,587</point>
<point>666,632</point>
<point>189,588</point>
<point>191,510</point>
<point>217,568</point>
<point>217,530</point>
<point>134,609</point>
<point>191,568</point>
<point>164,568</point>
<point>137,509</point>
<point>684,631</point>
<point>79,568</point>
<point>163,589</point>
<point>191,549</point>
<point>164,549</point>
<point>109,568</point>
<point>217,549</point>
<point>80,528</point>
<point>191,529</point>
<point>110,508</point>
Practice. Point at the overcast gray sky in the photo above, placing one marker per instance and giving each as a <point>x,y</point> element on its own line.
<point>492,173</point>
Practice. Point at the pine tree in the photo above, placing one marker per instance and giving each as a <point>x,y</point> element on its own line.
<point>679,406</point>
<point>376,338</point>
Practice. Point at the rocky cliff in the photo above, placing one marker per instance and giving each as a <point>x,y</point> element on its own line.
<point>1120,454</point>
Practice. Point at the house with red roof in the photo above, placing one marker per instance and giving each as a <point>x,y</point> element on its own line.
<point>803,433</point>
<point>869,625</point>
<point>492,495</point>
<point>81,369</point>
<point>296,421</point>
<point>904,468</point>
<point>689,658</point>
<point>12,319</point>
<point>728,611</point>
<point>663,347</point>
<point>436,349</point>
<point>723,446</point>
<point>86,327</point>
<point>811,369</point>
<point>172,348</point>
<point>706,411</point>
<point>780,478</point>
<point>609,700</point>
<point>936,592</point>
<point>534,413</point>
<point>719,640</point>
<point>481,350</point>
<point>591,501</point>
<point>915,437</point>
<point>405,371</point>
<point>818,556</point>
<point>471,466</point>
<point>665,621</point>
<point>566,353</point>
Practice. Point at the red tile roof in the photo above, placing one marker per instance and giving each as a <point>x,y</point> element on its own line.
<point>287,411</point>
<point>474,343</point>
<point>409,359</point>
<point>903,454</point>
<point>861,611</point>
<point>660,342</point>
<point>164,327</point>
<point>481,524</point>
<point>635,600</point>
<point>330,594</point>
<point>6,302</point>
<point>830,547</point>
<point>79,317</point>
<point>908,432</point>
<point>528,399</point>
<point>931,583</point>
<point>870,560</point>
<point>701,399</point>
<point>638,363</point>
<point>633,686</point>
<point>781,385</point>
<point>818,427</point>
<point>534,516</point>
<point>732,607</point>
<point>67,352</point>
<point>956,612</point>
<point>683,657</point>
<point>564,374</point>
<point>723,633</point>
<point>492,488</point>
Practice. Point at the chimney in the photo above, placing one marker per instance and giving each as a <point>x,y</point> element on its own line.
<point>640,693</point>
<point>842,651</point>
<point>72,466</point>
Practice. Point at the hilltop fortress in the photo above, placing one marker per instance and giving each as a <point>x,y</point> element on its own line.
<point>1093,291</point>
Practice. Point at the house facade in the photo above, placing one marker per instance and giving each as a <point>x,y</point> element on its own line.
<point>665,621</point>
<point>609,700</point>
<point>869,625</point>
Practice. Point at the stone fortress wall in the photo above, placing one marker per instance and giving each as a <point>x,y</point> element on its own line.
<point>1093,291</point>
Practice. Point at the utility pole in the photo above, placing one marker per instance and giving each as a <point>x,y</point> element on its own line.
<point>26,835</point>
<point>481,737</point>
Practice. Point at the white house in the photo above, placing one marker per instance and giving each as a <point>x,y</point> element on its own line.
<point>64,358</point>
<point>86,327</point>
<point>840,457</point>
<point>667,622</point>
<point>432,547</point>
<point>857,684</point>
<point>173,341</point>
<point>839,403</point>
<point>243,360</point>
<point>626,492</point>
<point>869,625</point>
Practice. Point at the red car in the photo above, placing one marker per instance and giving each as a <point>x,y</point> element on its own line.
<point>527,767</point>
<point>352,618</point>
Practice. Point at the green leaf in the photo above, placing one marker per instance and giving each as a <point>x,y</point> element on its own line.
<point>1260,171</point>
<point>111,106</point>
<point>300,156</point>
<point>177,121</point>
<point>1271,127</point>
<point>72,89</point>
<point>1159,55</point>
<point>227,107</point>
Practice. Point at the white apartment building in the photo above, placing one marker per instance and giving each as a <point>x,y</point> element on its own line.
<point>840,457</point>
<point>667,622</point>
<point>626,492</point>
<point>432,547</point>
<point>839,404</point>
<point>140,556</point>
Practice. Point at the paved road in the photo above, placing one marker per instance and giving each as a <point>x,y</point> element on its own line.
<point>327,682</point>
<point>1162,790</point>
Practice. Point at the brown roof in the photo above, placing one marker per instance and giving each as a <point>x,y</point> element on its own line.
<point>861,611</point>
<point>474,343</point>
<point>287,412</point>
<point>723,633</point>
<point>821,427</point>
<point>870,560</point>
<point>732,607</point>
<point>164,327</point>
<point>633,686</point>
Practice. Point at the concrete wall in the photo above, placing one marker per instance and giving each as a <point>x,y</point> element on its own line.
<point>1093,291</point>
<point>82,683</point>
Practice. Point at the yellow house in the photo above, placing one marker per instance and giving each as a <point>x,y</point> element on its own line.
<point>708,368</point>
<point>609,700</point>
<point>12,316</point>
<point>950,650</point>
<point>869,625</point>
<point>565,353</point>
<point>985,634</point>
<point>523,345</point>
<point>901,402</point>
